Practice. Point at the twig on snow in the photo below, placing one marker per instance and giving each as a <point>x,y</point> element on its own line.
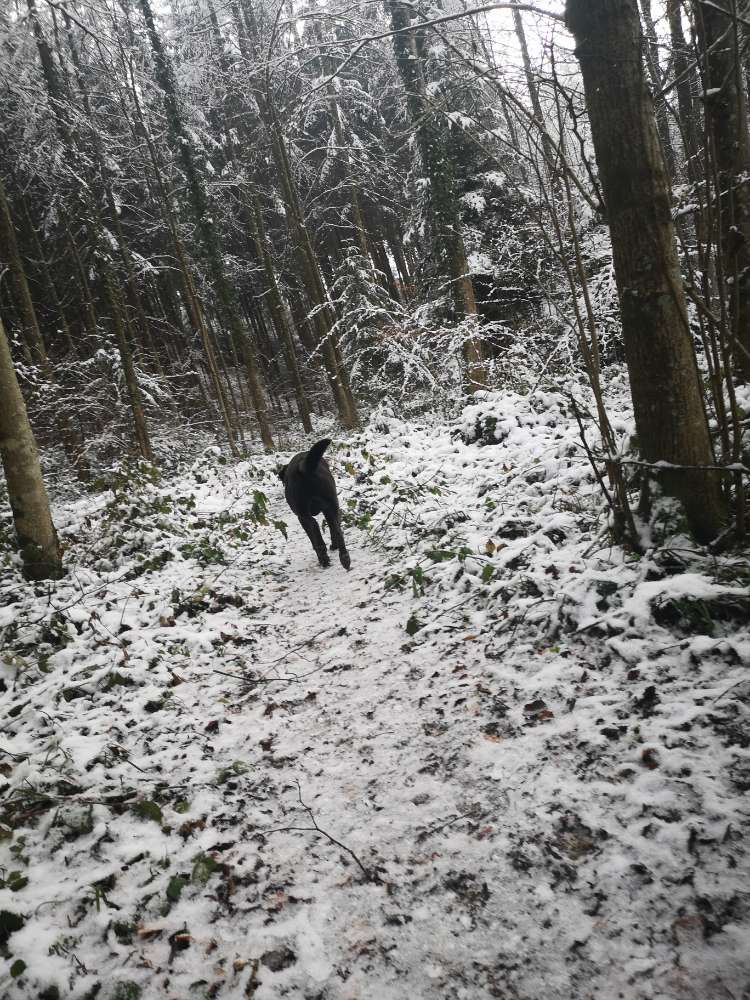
<point>449,822</point>
<point>731,687</point>
<point>370,874</point>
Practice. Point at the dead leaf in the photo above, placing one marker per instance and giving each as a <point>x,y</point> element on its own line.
<point>148,933</point>
<point>191,825</point>
<point>533,707</point>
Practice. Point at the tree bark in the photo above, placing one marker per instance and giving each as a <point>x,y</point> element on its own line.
<point>654,69</point>
<point>106,187</point>
<point>37,539</point>
<point>727,127</point>
<point>114,304</point>
<point>93,224</point>
<point>197,315</point>
<point>49,282</point>
<point>684,74</point>
<point>665,386</point>
<point>71,441</point>
<point>90,320</point>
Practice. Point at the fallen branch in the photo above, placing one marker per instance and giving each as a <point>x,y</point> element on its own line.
<point>369,874</point>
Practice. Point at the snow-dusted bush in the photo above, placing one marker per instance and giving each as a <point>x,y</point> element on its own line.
<point>411,353</point>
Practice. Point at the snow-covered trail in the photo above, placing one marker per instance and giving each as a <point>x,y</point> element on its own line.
<point>232,773</point>
<point>379,738</point>
<point>480,879</point>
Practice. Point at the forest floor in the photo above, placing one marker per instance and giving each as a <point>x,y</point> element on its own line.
<point>499,758</point>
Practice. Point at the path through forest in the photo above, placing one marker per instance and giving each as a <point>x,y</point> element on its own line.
<point>231,773</point>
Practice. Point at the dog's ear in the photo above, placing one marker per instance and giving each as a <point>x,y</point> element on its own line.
<point>281,471</point>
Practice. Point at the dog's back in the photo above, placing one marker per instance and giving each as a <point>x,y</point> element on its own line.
<point>309,486</point>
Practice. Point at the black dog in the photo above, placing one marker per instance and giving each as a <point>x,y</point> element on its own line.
<point>310,490</point>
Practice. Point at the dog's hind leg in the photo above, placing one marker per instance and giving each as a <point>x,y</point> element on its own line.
<point>312,529</point>
<point>337,538</point>
<point>334,536</point>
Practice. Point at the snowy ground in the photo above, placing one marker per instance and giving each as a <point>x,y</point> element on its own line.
<point>496,759</point>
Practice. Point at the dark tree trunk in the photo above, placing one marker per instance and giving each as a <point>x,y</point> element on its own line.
<point>667,401</point>
<point>49,283</point>
<point>71,441</point>
<point>309,263</point>
<point>93,223</point>
<point>654,69</point>
<point>197,313</point>
<point>550,154</point>
<point>727,129</point>
<point>684,74</point>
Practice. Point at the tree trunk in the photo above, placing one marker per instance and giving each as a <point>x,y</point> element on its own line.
<point>727,127</point>
<point>279,314</point>
<point>93,224</point>
<point>665,386</point>
<point>447,237</point>
<point>199,203</point>
<point>9,249</point>
<point>90,320</point>
<point>112,298</point>
<point>548,145</point>
<point>342,154</point>
<point>71,441</point>
<point>106,187</point>
<point>654,69</point>
<point>37,539</point>
<point>684,74</point>
<point>49,282</point>
<point>309,264</point>
<point>397,249</point>
<point>197,313</point>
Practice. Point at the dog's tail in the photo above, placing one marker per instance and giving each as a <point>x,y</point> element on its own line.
<point>314,455</point>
